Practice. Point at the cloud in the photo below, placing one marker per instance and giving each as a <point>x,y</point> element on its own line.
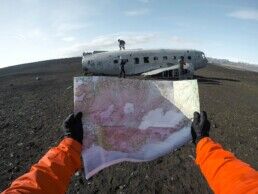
<point>19,36</point>
<point>35,33</point>
<point>133,40</point>
<point>179,42</point>
<point>108,42</point>
<point>136,12</point>
<point>63,29</point>
<point>68,39</point>
<point>67,27</point>
<point>245,14</point>
<point>31,34</point>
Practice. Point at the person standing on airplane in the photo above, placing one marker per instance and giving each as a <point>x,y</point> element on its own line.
<point>121,44</point>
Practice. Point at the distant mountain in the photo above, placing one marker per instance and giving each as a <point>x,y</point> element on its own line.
<point>234,65</point>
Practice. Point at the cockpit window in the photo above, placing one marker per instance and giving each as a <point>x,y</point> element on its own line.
<point>189,57</point>
<point>85,54</point>
<point>203,56</point>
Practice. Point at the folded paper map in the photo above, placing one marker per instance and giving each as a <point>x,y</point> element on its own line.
<point>132,120</point>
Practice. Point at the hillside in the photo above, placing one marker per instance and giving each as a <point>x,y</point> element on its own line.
<point>234,65</point>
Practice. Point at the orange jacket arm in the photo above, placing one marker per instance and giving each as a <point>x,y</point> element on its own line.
<point>223,171</point>
<point>53,171</point>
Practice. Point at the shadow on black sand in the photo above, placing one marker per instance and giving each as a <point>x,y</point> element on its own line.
<point>213,80</point>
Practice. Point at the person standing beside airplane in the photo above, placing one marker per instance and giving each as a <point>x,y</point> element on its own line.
<point>121,44</point>
<point>122,66</point>
<point>181,66</point>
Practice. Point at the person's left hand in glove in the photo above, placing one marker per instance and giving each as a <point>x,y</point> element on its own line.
<point>73,127</point>
<point>53,172</point>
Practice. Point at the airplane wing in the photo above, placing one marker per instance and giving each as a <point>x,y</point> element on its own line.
<point>160,70</point>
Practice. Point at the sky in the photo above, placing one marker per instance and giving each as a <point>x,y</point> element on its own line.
<point>34,30</point>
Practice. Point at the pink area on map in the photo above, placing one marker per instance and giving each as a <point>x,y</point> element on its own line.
<point>127,120</point>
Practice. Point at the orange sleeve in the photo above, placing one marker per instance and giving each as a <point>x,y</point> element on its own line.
<point>223,171</point>
<point>53,171</point>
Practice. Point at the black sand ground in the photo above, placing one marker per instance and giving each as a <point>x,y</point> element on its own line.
<point>32,110</point>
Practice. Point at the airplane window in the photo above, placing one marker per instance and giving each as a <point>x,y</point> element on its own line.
<point>203,56</point>
<point>115,61</point>
<point>165,58</point>
<point>174,57</point>
<point>155,58</point>
<point>189,57</point>
<point>146,59</point>
<point>136,61</point>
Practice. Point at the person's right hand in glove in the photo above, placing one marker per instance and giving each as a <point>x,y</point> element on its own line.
<point>200,127</point>
<point>223,171</point>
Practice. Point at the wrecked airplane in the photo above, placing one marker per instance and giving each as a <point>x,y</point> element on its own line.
<point>161,62</point>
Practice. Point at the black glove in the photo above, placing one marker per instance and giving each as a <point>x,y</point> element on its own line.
<point>200,127</point>
<point>73,127</point>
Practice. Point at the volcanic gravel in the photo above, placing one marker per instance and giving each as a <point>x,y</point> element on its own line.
<point>35,98</point>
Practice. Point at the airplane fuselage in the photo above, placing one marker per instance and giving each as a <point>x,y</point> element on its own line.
<point>139,61</point>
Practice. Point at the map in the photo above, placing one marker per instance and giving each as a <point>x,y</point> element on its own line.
<point>131,119</point>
